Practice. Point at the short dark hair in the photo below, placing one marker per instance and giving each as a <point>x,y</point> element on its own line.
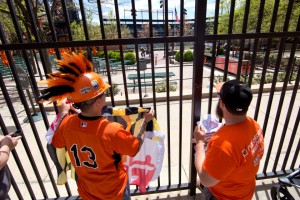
<point>86,104</point>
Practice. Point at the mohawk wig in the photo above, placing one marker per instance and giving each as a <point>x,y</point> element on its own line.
<point>61,83</point>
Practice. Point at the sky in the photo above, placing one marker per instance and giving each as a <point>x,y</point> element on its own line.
<point>124,9</point>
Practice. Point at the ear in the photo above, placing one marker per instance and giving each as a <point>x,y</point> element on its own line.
<point>101,99</point>
<point>222,105</point>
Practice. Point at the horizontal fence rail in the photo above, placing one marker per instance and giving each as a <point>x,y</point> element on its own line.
<point>160,60</point>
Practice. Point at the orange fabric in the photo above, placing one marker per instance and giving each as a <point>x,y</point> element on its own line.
<point>4,58</point>
<point>233,158</point>
<point>92,146</point>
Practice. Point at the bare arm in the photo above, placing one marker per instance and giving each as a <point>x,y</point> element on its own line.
<point>205,178</point>
<point>141,134</point>
<point>7,144</point>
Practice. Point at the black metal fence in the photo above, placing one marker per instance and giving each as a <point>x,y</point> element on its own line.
<point>264,56</point>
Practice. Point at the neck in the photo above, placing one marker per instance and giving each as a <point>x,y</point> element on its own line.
<point>92,112</point>
<point>233,119</point>
<point>86,114</point>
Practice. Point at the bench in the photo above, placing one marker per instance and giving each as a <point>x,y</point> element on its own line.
<point>144,84</point>
<point>144,76</point>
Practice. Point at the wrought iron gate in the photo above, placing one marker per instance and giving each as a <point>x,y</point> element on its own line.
<point>34,35</point>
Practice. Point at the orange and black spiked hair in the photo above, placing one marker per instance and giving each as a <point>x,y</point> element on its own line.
<point>74,80</point>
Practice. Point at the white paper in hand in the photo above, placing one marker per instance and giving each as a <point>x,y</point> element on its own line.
<point>210,123</point>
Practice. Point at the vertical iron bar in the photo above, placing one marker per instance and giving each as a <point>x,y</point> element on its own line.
<point>242,41</point>
<point>199,45</point>
<point>255,45</point>
<point>105,50</point>
<point>135,35</point>
<point>15,155</point>
<point>152,63</point>
<point>298,146</point>
<point>291,103</point>
<point>67,18</point>
<point>15,186</point>
<point>230,27</point>
<point>277,67</point>
<point>36,92</point>
<point>294,94</point>
<point>85,29</point>
<point>20,38</point>
<point>266,61</point>
<point>121,47</point>
<point>15,118</point>
<point>50,21</point>
<point>181,33</point>
<point>18,126</point>
<point>85,26</point>
<point>213,58</point>
<point>166,23</point>
<point>52,30</point>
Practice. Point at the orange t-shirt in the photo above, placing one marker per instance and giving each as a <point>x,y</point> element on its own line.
<point>232,157</point>
<point>95,146</point>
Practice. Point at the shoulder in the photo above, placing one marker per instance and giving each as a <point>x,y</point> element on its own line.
<point>110,127</point>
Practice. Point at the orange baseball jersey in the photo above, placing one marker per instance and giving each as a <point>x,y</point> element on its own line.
<point>233,158</point>
<point>95,146</point>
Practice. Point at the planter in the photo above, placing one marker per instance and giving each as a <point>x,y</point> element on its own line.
<point>232,64</point>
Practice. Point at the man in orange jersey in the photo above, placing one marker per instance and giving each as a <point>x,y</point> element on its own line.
<point>94,144</point>
<point>228,167</point>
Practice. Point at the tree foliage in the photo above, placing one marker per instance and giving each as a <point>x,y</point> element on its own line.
<point>111,31</point>
<point>253,16</point>
<point>145,32</point>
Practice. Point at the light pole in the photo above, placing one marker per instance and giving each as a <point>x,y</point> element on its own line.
<point>162,5</point>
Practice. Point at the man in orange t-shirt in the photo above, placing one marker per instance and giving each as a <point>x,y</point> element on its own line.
<point>94,144</point>
<point>228,167</point>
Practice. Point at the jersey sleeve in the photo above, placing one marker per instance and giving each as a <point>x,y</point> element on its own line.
<point>218,163</point>
<point>58,139</point>
<point>124,142</point>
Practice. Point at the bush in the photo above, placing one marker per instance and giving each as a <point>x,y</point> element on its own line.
<point>115,55</point>
<point>177,56</point>
<point>162,87</point>
<point>218,79</point>
<point>188,56</point>
<point>268,78</point>
<point>130,56</point>
<point>115,90</point>
<point>84,53</point>
<point>221,51</point>
<point>260,58</point>
<point>110,53</point>
<point>101,54</point>
<point>281,76</point>
<point>297,62</point>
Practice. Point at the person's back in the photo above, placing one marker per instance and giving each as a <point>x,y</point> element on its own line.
<point>95,145</point>
<point>237,158</point>
<point>228,167</point>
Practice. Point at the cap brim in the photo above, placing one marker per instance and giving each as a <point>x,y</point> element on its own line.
<point>219,86</point>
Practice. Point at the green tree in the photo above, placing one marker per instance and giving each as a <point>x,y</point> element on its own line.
<point>93,29</point>
<point>253,14</point>
<point>111,31</point>
<point>38,11</point>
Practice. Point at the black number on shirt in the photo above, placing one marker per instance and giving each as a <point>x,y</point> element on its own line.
<point>91,163</point>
